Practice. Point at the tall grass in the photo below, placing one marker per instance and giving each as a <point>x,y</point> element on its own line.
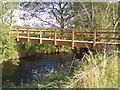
<point>97,71</point>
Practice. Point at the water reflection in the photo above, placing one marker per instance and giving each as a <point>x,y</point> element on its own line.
<point>26,67</point>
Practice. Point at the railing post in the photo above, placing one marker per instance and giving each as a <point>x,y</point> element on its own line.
<point>28,40</point>
<point>55,37</point>
<point>94,39</point>
<point>17,34</point>
<point>40,36</point>
<point>72,38</point>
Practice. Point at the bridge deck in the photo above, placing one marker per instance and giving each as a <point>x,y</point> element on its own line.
<point>81,44</point>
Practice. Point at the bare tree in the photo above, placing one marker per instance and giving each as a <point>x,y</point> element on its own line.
<point>60,12</point>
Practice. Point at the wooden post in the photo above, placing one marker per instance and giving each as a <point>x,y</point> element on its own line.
<point>40,36</point>
<point>28,40</point>
<point>94,39</point>
<point>55,37</point>
<point>17,34</point>
<point>72,38</point>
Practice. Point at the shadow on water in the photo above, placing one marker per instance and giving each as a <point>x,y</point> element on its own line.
<point>43,63</point>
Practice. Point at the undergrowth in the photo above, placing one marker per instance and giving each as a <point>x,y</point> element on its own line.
<point>96,71</point>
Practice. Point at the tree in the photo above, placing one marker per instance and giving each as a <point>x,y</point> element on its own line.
<point>8,44</point>
<point>59,13</point>
<point>106,15</point>
<point>82,17</point>
<point>96,14</point>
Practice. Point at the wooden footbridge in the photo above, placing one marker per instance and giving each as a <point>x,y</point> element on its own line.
<point>83,38</point>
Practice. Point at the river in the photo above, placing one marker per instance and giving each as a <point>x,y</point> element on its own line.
<point>43,63</point>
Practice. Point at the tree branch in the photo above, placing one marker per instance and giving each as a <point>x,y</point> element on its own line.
<point>86,11</point>
<point>46,21</point>
<point>57,18</point>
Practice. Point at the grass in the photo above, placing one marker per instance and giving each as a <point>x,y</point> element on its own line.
<point>98,70</point>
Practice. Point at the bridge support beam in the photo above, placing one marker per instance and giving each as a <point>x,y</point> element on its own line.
<point>28,40</point>
<point>40,37</point>
<point>72,38</point>
<point>55,38</point>
<point>17,34</point>
<point>94,39</point>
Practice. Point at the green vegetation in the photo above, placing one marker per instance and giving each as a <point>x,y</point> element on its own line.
<point>92,17</point>
<point>30,48</point>
<point>98,70</point>
<point>8,44</point>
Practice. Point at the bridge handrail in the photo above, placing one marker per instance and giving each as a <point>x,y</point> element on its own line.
<point>56,33</point>
<point>70,28</point>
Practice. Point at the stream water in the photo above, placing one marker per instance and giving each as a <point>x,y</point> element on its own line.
<point>43,63</point>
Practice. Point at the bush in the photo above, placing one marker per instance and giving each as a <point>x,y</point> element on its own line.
<point>8,44</point>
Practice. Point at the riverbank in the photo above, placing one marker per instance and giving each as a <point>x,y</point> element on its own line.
<point>28,49</point>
